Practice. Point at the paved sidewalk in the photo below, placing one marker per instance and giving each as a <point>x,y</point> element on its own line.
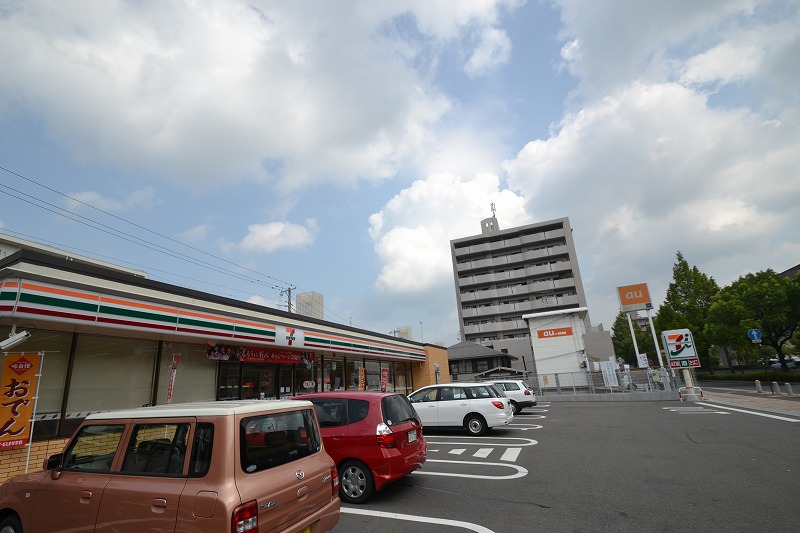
<point>779,402</point>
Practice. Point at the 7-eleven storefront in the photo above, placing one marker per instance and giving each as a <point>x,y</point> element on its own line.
<point>112,340</point>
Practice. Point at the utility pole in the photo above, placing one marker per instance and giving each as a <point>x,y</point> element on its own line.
<point>288,290</point>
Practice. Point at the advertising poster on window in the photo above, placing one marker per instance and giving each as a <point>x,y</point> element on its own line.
<point>384,378</point>
<point>18,398</point>
<point>173,372</point>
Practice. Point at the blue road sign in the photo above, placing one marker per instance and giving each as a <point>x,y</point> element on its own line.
<point>754,334</point>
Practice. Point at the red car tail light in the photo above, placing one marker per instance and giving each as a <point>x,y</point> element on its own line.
<point>245,518</point>
<point>499,405</point>
<point>386,438</point>
<point>334,481</point>
<point>527,392</point>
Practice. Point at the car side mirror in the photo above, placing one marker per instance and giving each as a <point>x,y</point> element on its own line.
<point>54,462</point>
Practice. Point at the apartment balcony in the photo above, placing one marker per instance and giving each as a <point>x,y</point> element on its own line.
<point>542,236</point>
<point>516,308</point>
<point>495,327</point>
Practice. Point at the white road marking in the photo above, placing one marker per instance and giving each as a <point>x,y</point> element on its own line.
<point>521,472</point>
<point>479,441</point>
<point>483,453</point>
<point>694,411</point>
<point>776,417</point>
<point>524,427</point>
<point>458,451</point>
<point>511,454</point>
<point>415,518</point>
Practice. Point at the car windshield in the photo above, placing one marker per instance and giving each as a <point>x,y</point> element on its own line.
<point>397,409</point>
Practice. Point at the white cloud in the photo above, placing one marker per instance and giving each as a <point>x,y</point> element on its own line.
<point>493,50</point>
<point>274,236</point>
<point>725,62</point>
<point>653,169</point>
<point>212,92</point>
<point>610,44</point>
<point>142,198</point>
<point>411,234</point>
<point>197,233</point>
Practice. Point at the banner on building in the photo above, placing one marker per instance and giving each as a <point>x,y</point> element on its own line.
<point>224,352</point>
<point>18,398</point>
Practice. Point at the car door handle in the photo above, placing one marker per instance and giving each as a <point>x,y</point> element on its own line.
<point>86,496</point>
<point>159,504</point>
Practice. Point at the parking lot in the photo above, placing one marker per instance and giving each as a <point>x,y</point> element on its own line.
<point>572,466</point>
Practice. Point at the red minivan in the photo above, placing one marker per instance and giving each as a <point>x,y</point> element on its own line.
<point>373,437</point>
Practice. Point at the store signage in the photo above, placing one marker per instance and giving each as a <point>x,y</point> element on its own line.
<point>17,398</point>
<point>554,332</point>
<point>634,297</point>
<point>679,346</point>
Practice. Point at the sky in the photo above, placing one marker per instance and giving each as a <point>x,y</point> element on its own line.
<point>244,148</point>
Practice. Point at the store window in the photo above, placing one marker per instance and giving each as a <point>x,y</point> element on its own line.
<point>305,375</point>
<point>230,375</point>
<point>195,375</point>
<point>356,374</point>
<point>333,369</point>
<point>373,375</point>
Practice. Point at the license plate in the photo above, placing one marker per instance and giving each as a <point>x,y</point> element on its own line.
<point>412,435</point>
<point>306,529</point>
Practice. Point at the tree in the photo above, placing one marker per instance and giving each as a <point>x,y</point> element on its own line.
<point>724,327</point>
<point>623,344</point>
<point>766,301</point>
<point>686,306</point>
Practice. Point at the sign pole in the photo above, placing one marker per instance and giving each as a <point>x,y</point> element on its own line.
<point>633,336</point>
<point>655,339</point>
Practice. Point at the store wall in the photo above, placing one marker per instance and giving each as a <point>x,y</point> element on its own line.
<point>424,374</point>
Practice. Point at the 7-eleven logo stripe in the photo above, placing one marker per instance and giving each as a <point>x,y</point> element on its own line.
<point>290,335</point>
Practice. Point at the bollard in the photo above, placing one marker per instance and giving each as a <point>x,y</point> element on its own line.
<point>774,387</point>
<point>758,386</point>
<point>789,389</point>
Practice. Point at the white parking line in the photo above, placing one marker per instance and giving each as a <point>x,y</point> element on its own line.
<point>415,518</point>
<point>776,417</point>
<point>525,427</point>
<point>484,441</point>
<point>511,454</point>
<point>521,472</point>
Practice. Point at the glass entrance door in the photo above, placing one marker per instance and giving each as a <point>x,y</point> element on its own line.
<point>258,381</point>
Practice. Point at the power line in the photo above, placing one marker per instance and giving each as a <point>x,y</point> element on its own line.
<point>47,206</point>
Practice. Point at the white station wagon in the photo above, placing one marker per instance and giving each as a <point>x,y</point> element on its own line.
<point>477,407</point>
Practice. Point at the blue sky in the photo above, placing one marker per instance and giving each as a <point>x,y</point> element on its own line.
<point>338,147</point>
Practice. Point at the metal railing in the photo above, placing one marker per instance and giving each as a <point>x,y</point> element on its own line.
<point>617,382</point>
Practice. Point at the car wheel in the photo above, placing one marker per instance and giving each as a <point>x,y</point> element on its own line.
<point>355,482</point>
<point>516,407</point>
<point>476,425</point>
<point>10,524</point>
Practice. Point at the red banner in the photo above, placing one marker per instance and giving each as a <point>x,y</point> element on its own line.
<point>17,398</point>
<point>222,352</point>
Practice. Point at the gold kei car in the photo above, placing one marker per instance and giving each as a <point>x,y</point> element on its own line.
<point>233,466</point>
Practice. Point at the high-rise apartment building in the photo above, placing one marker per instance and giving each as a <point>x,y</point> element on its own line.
<point>501,275</point>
